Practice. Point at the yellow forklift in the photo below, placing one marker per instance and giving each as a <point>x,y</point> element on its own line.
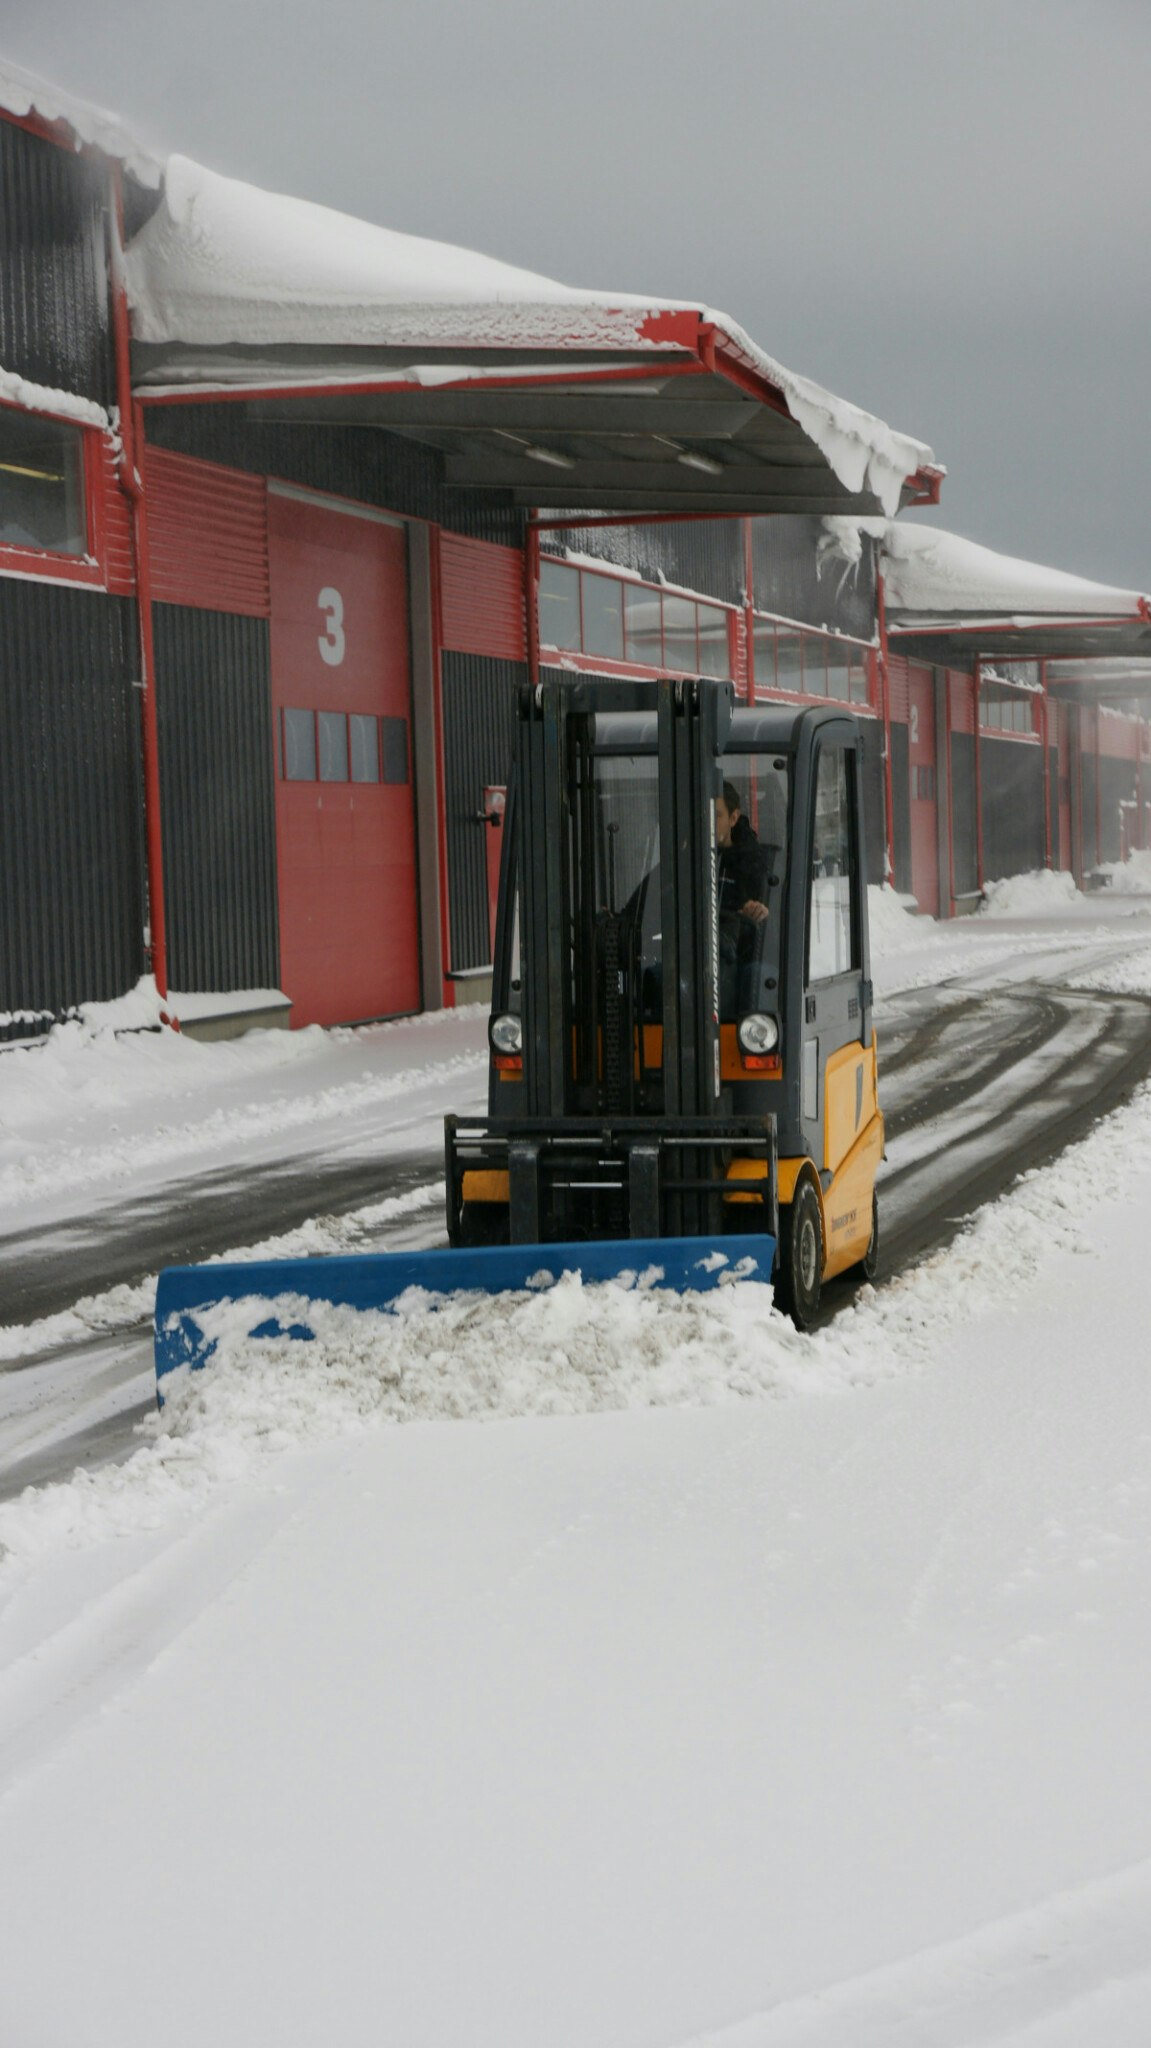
<point>681,1040</point>
<point>682,1060</point>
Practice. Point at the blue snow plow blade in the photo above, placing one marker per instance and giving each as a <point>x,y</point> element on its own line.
<point>373,1280</point>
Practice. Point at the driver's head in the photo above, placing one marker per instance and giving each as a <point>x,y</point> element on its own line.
<point>727,812</point>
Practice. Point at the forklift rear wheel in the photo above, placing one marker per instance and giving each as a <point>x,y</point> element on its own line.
<point>801,1256</point>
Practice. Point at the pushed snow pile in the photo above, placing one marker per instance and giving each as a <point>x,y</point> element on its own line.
<point>1045,890</point>
<point>892,927</point>
<point>569,1350</point>
<point>1130,877</point>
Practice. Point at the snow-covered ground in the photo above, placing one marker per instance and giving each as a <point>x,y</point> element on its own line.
<point>668,1677</point>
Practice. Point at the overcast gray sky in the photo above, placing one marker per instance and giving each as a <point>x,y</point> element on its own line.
<point>937,207</point>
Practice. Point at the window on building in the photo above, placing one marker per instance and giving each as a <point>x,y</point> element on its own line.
<point>763,649</point>
<point>333,745</point>
<point>859,680</point>
<point>788,660</point>
<point>395,731</point>
<point>714,653</point>
<point>602,615</point>
<point>41,484</point>
<point>365,747</point>
<point>643,613</point>
<point>680,650</point>
<point>299,746</point>
<point>559,606</point>
<point>838,671</point>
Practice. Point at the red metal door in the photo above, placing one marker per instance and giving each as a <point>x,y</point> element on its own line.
<point>349,934</point>
<point>924,796</point>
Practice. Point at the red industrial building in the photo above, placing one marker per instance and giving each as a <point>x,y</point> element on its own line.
<point>289,508</point>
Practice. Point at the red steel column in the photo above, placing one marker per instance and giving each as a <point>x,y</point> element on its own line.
<point>131,466</point>
<point>532,599</point>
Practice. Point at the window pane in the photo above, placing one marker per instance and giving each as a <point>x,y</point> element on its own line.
<point>333,746</point>
<point>714,656</point>
<point>763,637</point>
<point>365,748</point>
<point>559,605</point>
<point>859,690</point>
<point>789,660</point>
<point>832,870</point>
<point>752,868</point>
<point>679,642</point>
<point>838,671</point>
<point>602,616</point>
<point>299,746</point>
<point>643,613</point>
<point>814,665</point>
<point>41,484</point>
<point>395,749</point>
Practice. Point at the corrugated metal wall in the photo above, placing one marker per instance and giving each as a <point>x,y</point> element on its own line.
<point>792,579</point>
<point>478,709</point>
<point>1011,774</point>
<point>874,798</point>
<point>705,555</point>
<point>482,598</point>
<point>71,855</point>
<point>207,534</point>
<point>54,315</point>
<point>366,463</point>
<point>217,798</point>
<point>964,853</point>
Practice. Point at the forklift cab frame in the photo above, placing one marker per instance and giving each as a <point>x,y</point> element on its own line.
<point>638,1085</point>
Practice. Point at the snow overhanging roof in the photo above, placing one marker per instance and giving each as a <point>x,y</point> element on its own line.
<point>590,401</point>
<point>948,599</point>
<point>24,92</point>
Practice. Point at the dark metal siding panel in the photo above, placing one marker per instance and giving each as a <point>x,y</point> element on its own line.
<point>478,710</point>
<point>1012,777</point>
<point>54,313</point>
<point>901,807</point>
<point>217,798</point>
<point>704,555</point>
<point>794,579</point>
<point>963,842</point>
<point>1117,786</point>
<point>364,463</point>
<point>874,804</point>
<point>71,849</point>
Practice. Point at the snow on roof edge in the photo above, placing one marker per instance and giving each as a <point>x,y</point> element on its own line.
<point>932,575</point>
<point>224,263</point>
<point>25,92</point>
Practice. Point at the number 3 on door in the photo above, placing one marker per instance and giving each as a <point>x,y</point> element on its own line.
<point>331,643</point>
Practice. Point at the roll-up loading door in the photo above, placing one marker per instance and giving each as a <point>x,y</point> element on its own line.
<point>341,693</point>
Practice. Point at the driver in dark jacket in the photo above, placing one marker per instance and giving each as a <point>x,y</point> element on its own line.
<point>744,879</point>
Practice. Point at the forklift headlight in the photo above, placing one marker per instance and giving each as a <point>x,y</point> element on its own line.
<point>758,1034</point>
<point>507,1033</point>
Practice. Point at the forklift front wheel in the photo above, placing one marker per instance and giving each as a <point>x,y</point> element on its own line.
<point>800,1257</point>
<point>483,1223</point>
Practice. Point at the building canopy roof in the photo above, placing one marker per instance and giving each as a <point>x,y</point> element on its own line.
<point>592,401</point>
<point>949,599</point>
